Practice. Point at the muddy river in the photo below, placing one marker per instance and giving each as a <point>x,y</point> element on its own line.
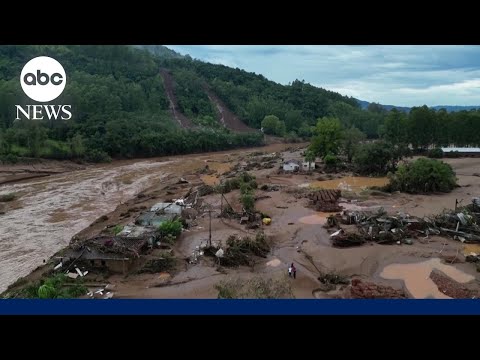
<point>51,210</point>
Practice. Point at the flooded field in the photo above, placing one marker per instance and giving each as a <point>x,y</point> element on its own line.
<point>349,183</point>
<point>315,219</point>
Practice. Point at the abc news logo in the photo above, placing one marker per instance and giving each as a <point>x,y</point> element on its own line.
<point>43,79</point>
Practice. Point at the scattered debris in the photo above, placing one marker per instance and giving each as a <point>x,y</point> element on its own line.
<point>72,275</point>
<point>79,272</point>
<point>58,266</point>
<point>325,200</point>
<point>182,181</point>
<point>241,251</point>
<point>335,279</point>
<point>267,221</point>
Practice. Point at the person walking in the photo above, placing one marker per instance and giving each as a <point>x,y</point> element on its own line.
<point>294,271</point>
<point>290,271</point>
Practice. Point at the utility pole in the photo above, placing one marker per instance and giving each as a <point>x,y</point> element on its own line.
<point>210,228</point>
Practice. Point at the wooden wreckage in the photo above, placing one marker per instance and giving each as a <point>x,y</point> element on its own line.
<point>355,228</point>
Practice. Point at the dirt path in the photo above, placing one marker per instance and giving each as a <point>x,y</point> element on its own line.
<point>227,118</point>
<point>182,120</point>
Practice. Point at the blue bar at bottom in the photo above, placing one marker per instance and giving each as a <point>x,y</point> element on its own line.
<point>239,307</point>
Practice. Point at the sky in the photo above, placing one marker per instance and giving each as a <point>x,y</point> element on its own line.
<point>401,75</point>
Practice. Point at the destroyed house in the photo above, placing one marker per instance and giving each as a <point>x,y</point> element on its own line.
<point>117,254</point>
<point>291,165</point>
<point>151,218</point>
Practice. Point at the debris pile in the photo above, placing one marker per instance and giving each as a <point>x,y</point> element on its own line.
<point>113,245</point>
<point>270,187</point>
<point>462,225</point>
<point>374,226</point>
<point>241,251</point>
<point>325,200</point>
<point>102,293</point>
<point>369,290</point>
<point>451,288</point>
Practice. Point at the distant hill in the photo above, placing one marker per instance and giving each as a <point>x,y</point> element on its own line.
<point>449,108</point>
<point>161,51</point>
<point>364,105</point>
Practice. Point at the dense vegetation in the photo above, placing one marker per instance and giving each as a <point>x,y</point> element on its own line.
<point>57,286</point>
<point>170,230</point>
<point>378,158</point>
<point>424,127</point>
<point>120,108</point>
<point>192,98</point>
<point>423,176</point>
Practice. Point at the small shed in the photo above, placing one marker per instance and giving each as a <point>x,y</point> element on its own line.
<point>306,164</point>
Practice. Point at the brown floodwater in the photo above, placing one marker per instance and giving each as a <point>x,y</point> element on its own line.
<point>52,209</point>
<point>471,248</point>
<point>55,208</point>
<point>211,180</point>
<point>349,183</point>
<point>416,277</point>
<point>319,218</point>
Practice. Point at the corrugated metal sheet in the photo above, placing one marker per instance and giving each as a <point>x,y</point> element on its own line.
<point>167,208</point>
<point>461,149</point>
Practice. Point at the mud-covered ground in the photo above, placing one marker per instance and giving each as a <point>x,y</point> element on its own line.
<point>296,232</point>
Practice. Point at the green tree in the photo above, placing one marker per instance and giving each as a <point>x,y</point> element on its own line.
<point>352,137</point>
<point>171,228</point>
<point>305,130</point>
<point>377,158</point>
<point>280,129</point>
<point>269,124</point>
<point>309,157</point>
<point>36,139</point>
<point>423,176</point>
<point>327,138</point>
<point>421,122</point>
<point>293,119</point>
<point>248,201</point>
<point>76,146</point>
<point>395,127</point>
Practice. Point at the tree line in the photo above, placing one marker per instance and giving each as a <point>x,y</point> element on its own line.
<point>120,108</point>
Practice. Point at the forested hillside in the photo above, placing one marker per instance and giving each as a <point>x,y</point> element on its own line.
<point>119,108</point>
<point>134,101</point>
